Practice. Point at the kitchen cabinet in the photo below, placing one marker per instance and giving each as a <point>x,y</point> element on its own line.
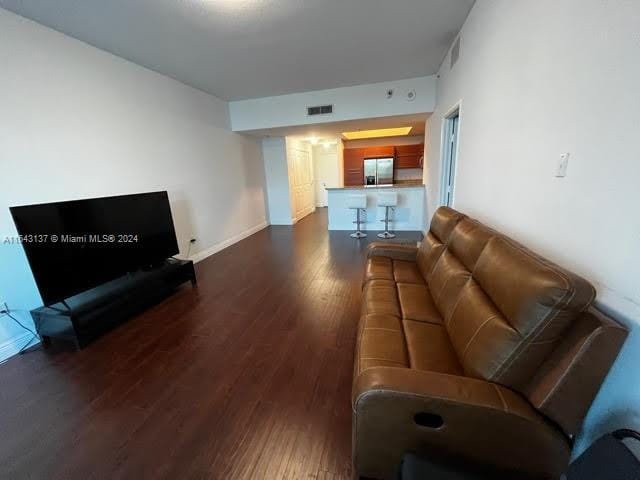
<point>409,156</point>
<point>379,152</point>
<point>405,156</point>
<point>354,166</point>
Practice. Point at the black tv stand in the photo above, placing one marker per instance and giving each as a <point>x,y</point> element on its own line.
<point>82,318</point>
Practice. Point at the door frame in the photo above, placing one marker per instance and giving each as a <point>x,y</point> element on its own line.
<point>449,163</point>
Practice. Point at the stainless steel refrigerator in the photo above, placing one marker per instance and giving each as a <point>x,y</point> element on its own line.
<point>378,171</point>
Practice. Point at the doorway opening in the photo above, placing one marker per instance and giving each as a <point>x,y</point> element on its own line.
<point>450,129</point>
<point>326,165</point>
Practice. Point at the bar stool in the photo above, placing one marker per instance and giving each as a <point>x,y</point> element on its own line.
<point>388,200</point>
<point>357,202</point>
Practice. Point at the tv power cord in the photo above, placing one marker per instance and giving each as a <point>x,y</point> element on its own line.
<point>4,311</point>
<point>191,242</point>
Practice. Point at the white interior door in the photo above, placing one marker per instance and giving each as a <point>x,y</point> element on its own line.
<point>326,172</point>
<point>303,189</point>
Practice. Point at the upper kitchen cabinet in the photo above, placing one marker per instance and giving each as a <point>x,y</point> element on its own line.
<point>405,156</point>
<point>378,152</point>
<point>354,166</point>
<point>409,156</point>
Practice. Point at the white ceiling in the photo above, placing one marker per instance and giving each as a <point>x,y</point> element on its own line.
<point>239,49</point>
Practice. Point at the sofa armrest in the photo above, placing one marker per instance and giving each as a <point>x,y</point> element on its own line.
<point>397,251</point>
<point>397,410</point>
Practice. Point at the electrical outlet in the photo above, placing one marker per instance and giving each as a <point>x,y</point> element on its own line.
<point>4,308</point>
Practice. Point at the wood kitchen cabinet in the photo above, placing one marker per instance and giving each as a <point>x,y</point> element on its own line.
<point>405,156</point>
<point>379,152</point>
<point>353,166</point>
<point>409,156</point>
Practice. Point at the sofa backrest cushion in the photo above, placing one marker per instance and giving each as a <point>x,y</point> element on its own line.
<point>442,224</point>
<point>444,221</point>
<point>512,312</point>
<point>468,239</point>
<point>429,251</point>
<point>481,336</point>
<point>446,281</point>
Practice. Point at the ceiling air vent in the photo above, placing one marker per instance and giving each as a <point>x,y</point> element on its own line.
<point>320,110</point>
<point>455,52</point>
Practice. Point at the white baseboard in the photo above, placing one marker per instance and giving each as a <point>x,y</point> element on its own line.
<point>306,212</point>
<point>13,345</point>
<point>281,221</point>
<point>199,256</point>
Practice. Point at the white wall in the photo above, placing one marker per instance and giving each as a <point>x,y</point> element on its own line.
<point>349,103</point>
<point>280,202</point>
<point>537,79</point>
<point>76,122</point>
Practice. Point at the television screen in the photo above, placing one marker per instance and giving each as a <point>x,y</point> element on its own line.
<point>77,245</point>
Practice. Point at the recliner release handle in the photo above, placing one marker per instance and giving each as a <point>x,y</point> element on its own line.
<point>429,420</point>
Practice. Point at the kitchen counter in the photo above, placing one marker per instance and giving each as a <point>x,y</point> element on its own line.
<point>373,187</point>
<point>409,215</point>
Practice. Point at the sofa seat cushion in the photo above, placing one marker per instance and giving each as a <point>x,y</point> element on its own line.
<point>384,268</point>
<point>407,272</point>
<point>417,304</point>
<point>380,298</point>
<point>379,268</point>
<point>381,343</point>
<point>429,348</point>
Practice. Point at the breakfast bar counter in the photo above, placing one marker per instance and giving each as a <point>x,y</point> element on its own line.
<point>378,187</point>
<point>409,215</point>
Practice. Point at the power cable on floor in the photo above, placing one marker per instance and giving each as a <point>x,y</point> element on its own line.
<point>34,335</point>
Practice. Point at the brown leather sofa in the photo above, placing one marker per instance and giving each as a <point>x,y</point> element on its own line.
<point>472,347</point>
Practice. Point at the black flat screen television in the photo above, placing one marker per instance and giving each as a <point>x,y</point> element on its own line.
<point>77,245</point>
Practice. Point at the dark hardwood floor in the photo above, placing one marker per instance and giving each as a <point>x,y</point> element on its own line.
<point>246,377</point>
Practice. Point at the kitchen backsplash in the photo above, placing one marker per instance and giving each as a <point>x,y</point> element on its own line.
<point>407,174</point>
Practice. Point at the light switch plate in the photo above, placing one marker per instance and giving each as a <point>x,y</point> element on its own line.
<point>561,165</point>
